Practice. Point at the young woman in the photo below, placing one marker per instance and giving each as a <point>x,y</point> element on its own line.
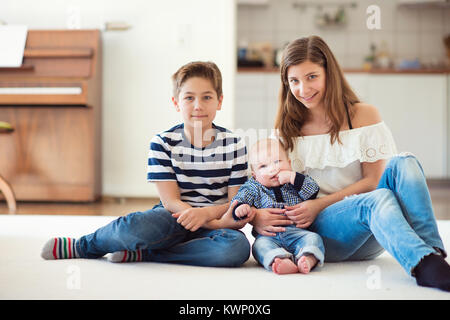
<point>371,198</point>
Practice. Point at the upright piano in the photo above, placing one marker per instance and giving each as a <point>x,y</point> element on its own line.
<point>54,103</point>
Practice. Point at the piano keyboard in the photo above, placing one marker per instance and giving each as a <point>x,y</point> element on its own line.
<point>41,90</point>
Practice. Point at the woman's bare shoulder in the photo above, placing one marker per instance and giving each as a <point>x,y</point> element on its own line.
<point>365,115</point>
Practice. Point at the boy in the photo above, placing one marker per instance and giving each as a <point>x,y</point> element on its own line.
<point>197,167</point>
<point>274,185</point>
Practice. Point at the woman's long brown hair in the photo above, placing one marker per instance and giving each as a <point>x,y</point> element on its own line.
<point>292,114</point>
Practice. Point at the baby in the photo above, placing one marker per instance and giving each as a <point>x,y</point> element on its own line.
<point>274,185</point>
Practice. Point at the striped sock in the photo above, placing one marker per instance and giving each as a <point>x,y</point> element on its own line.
<point>126,256</point>
<point>60,248</point>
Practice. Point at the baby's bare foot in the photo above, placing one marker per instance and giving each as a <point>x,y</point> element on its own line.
<point>306,263</point>
<point>284,266</point>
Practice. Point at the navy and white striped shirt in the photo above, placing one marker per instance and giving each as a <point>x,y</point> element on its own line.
<point>203,174</point>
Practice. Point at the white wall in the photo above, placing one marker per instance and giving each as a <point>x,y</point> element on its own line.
<point>137,66</point>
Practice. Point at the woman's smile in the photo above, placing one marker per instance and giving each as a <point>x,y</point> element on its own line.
<point>309,98</point>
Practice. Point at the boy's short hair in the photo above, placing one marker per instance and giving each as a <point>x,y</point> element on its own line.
<point>207,70</point>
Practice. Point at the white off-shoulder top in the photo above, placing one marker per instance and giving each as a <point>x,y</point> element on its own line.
<point>336,166</point>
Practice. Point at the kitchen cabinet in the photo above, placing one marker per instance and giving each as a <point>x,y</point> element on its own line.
<point>256,100</point>
<point>416,108</point>
<point>423,2</point>
<point>253,2</point>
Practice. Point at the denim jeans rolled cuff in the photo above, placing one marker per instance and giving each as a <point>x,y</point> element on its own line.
<point>78,248</point>
<point>315,251</point>
<point>270,256</point>
<point>440,251</point>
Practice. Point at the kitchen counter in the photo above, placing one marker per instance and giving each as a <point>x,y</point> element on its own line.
<point>372,71</point>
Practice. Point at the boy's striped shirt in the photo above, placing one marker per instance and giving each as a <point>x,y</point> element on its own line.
<point>203,174</point>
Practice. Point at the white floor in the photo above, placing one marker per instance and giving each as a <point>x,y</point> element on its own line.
<point>25,275</point>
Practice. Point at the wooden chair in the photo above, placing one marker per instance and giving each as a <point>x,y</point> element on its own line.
<point>5,187</point>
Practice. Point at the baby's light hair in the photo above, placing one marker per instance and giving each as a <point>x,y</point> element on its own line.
<point>271,144</point>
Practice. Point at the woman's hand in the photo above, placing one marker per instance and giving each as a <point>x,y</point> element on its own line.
<point>304,213</point>
<point>270,220</point>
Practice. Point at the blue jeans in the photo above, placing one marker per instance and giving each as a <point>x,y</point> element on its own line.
<point>162,239</point>
<point>292,243</point>
<point>397,216</point>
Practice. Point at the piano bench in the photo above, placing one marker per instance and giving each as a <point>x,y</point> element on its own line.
<point>5,187</point>
<point>7,191</point>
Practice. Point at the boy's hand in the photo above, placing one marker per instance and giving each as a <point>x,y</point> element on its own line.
<point>193,218</point>
<point>286,176</point>
<point>243,210</point>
